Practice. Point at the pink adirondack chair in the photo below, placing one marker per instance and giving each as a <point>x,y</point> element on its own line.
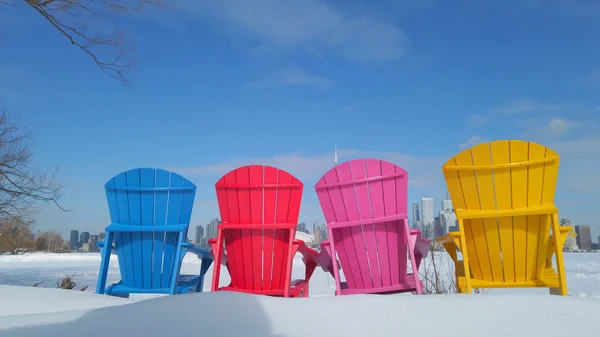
<point>365,206</point>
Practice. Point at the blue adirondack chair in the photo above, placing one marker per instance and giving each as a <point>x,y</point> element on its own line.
<point>150,211</point>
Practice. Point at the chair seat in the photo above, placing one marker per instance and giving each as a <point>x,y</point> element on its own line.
<point>298,289</point>
<point>548,279</point>
<point>407,286</point>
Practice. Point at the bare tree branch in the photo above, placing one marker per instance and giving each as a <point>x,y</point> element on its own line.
<point>20,185</point>
<point>72,18</point>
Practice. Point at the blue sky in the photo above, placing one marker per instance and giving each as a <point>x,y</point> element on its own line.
<point>219,84</point>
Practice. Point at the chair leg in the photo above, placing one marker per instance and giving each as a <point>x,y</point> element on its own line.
<point>560,262</point>
<point>413,260</point>
<point>105,254</point>
<point>109,292</point>
<point>467,270</point>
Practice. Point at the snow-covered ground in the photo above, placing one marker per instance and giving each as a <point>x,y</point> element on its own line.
<point>233,314</point>
<point>583,272</point>
<point>47,269</point>
<point>28,311</point>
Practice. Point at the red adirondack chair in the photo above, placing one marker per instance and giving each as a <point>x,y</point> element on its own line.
<point>259,208</point>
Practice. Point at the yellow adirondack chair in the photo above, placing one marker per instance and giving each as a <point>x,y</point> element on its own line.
<point>503,195</point>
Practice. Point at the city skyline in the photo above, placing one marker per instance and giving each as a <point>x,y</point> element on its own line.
<point>210,228</point>
<point>584,239</point>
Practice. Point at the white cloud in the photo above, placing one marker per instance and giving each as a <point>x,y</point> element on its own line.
<point>313,26</point>
<point>474,140</point>
<point>558,127</point>
<point>477,120</point>
<point>586,147</point>
<point>328,104</point>
<point>580,166</point>
<point>526,106</point>
<point>587,8</point>
<point>350,106</point>
<point>581,8</point>
<point>423,171</point>
<point>526,109</point>
<point>545,129</point>
<point>295,76</point>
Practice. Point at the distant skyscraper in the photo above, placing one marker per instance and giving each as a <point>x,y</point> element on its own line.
<point>438,230</point>
<point>301,227</point>
<point>428,211</point>
<point>199,234</point>
<point>211,229</point>
<point>317,233</point>
<point>324,233</point>
<point>93,243</point>
<point>416,213</point>
<point>74,239</point>
<point>447,205</point>
<point>447,220</point>
<point>584,237</point>
<point>84,237</point>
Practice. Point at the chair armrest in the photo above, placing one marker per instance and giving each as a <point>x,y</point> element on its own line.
<point>214,245</point>
<point>307,252</point>
<point>416,232</point>
<point>451,242</point>
<point>309,257</point>
<point>422,247</point>
<point>561,238</point>
<point>447,238</point>
<point>199,252</point>
<point>324,258</point>
<point>565,229</point>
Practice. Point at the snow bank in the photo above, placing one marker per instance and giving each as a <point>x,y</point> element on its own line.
<point>236,314</point>
<point>41,257</point>
<point>17,300</point>
<point>28,311</point>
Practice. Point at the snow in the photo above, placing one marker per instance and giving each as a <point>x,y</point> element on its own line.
<point>47,268</point>
<point>235,314</point>
<point>29,311</point>
<point>27,300</point>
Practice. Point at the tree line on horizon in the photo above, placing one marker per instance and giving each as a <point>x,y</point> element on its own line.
<point>17,236</point>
